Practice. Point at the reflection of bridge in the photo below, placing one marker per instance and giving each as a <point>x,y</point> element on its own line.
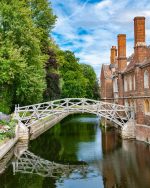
<point>31,164</point>
<point>29,115</point>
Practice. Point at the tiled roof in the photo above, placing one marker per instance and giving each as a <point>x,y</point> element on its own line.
<point>130,66</point>
<point>132,60</point>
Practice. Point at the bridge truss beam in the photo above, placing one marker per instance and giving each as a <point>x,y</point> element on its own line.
<point>29,115</point>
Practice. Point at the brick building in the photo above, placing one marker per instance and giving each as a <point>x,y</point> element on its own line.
<point>126,81</point>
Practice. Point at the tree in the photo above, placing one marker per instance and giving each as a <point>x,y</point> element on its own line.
<point>53,89</point>
<point>22,58</point>
<point>92,89</point>
<point>44,19</point>
<point>73,81</point>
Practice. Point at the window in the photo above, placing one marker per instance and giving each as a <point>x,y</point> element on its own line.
<point>134,82</point>
<point>125,84</point>
<point>146,79</point>
<point>115,85</point>
<point>130,83</point>
<point>147,106</point>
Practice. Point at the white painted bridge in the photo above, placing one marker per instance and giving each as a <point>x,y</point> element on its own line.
<point>29,115</point>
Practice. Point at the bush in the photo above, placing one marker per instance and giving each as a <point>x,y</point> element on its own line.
<point>10,134</point>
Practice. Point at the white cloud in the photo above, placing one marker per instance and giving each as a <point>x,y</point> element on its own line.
<point>102,21</point>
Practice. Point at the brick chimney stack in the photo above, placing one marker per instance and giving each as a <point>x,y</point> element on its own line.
<point>140,53</point>
<point>139,30</point>
<point>122,64</point>
<point>139,39</point>
<point>113,54</point>
<point>122,59</point>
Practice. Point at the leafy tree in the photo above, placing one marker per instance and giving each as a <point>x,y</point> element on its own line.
<point>44,20</point>
<point>22,37</point>
<point>52,76</point>
<point>73,81</point>
<point>92,89</point>
<point>24,40</point>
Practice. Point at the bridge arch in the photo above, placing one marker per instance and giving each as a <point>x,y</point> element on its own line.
<point>32,114</point>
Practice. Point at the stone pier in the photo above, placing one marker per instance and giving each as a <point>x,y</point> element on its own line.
<point>128,130</point>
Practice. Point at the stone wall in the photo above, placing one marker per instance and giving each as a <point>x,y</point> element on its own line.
<point>21,133</point>
<point>128,130</point>
<point>5,147</point>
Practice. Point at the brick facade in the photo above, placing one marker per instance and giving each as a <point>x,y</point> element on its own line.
<point>132,74</point>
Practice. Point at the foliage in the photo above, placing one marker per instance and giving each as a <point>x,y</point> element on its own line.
<point>24,31</point>
<point>52,75</point>
<point>10,133</point>
<point>92,84</point>
<point>73,81</point>
<point>78,80</point>
<point>44,19</point>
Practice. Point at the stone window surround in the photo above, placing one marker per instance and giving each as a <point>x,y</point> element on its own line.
<point>147,107</point>
<point>146,79</point>
<point>130,82</point>
<point>125,84</point>
<point>134,82</point>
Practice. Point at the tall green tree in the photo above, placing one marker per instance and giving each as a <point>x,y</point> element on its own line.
<point>44,20</point>
<point>22,60</point>
<point>53,89</point>
<point>92,89</point>
<point>73,81</point>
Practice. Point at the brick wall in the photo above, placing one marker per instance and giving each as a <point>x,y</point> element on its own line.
<point>142,133</point>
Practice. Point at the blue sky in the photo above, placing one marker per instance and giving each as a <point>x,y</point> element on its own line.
<point>90,27</point>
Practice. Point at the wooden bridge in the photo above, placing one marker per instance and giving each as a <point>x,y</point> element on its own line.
<point>29,115</point>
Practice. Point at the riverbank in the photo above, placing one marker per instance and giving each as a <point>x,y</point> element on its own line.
<point>21,134</point>
<point>8,143</point>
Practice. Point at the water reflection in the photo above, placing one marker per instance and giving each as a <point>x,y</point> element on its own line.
<point>29,163</point>
<point>128,166</point>
<point>78,140</point>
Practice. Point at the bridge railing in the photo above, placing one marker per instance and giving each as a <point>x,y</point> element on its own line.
<point>114,112</point>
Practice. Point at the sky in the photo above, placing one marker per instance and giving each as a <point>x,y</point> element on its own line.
<point>90,27</point>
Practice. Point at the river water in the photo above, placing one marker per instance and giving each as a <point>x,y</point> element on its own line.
<point>77,153</point>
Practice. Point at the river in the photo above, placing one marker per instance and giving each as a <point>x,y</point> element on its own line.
<point>77,153</point>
